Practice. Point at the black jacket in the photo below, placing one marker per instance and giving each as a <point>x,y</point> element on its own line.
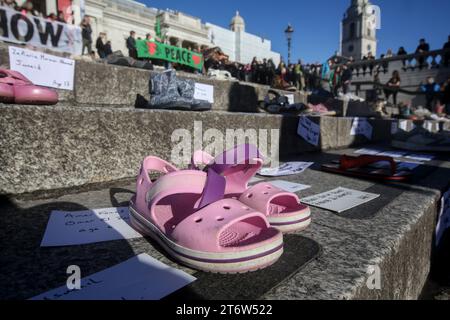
<point>131,43</point>
<point>86,32</point>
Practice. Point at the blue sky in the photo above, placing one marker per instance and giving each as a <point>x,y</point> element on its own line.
<point>316,22</point>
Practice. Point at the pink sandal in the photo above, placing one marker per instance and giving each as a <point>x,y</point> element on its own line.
<point>16,88</point>
<point>283,209</point>
<point>184,211</point>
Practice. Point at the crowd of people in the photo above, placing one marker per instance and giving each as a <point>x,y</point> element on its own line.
<point>28,8</point>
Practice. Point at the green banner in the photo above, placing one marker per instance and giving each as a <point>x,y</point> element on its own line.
<point>156,50</point>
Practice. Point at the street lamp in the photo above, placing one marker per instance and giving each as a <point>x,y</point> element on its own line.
<point>288,32</point>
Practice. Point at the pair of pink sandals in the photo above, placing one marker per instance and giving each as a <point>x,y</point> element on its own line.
<point>16,88</point>
<point>210,219</point>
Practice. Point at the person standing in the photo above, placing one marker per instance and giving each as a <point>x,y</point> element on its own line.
<point>131,45</point>
<point>86,34</point>
<point>271,69</point>
<point>335,80</point>
<point>100,45</point>
<point>298,74</point>
<point>393,86</point>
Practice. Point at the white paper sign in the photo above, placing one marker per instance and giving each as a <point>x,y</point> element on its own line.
<point>291,98</point>
<point>39,32</point>
<point>393,154</point>
<point>403,124</point>
<point>368,151</point>
<point>204,92</point>
<point>289,186</point>
<point>394,127</point>
<point>444,217</point>
<point>361,126</point>
<point>139,278</point>
<point>286,169</point>
<point>339,199</point>
<point>43,69</point>
<point>420,157</point>
<point>67,228</point>
<point>309,131</point>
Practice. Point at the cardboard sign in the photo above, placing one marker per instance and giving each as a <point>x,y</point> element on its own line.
<point>204,92</point>
<point>43,69</point>
<point>66,228</point>
<point>339,199</point>
<point>139,278</point>
<point>309,131</point>
<point>362,127</point>
<point>16,27</point>
<point>157,50</point>
<point>286,169</point>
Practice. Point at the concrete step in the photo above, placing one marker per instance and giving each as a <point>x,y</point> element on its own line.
<point>334,258</point>
<point>46,148</point>
<point>101,84</point>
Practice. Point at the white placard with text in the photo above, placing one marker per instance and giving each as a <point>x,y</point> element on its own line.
<point>66,228</point>
<point>340,199</point>
<point>309,131</point>
<point>204,92</point>
<point>139,278</point>
<point>43,69</point>
<point>361,126</point>
<point>286,169</point>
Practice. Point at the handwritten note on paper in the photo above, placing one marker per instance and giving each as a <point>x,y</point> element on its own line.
<point>309,131</point>
<point>339,199</point>
<point>286,169</point>
<point>444,217</point>
<point>67,228</point>
<point>289,186</point>
<point>291,98</point>
<point>43,69</point>
<point>362,127</point>
<point>204,92</point>
<point>139,278</point>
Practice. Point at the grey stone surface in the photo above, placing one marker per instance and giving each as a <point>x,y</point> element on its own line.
<point>101,84</point>
<point>397,239</point>
<point>46,148</point>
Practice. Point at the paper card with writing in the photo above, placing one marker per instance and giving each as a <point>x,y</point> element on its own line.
<point>204,92</point>
<point>286,169</point>
<point>361,126</point>
<point>309,131</point>
<point>43,69</point>
<point>289,186</point>
<point>369,151</point>
<point>139,278</point>
<point>66,228</point>
<point>403,125</point>
<point>291,98</point>
<point>393,154</point>
<point>444,217</point>
<point>339,199</point>
<point>394,127</point>
<point>420,157</point>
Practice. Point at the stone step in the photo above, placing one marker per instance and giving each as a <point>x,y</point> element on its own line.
<point>101,84</point>
<point>47,148</point>
<point>335,258</point>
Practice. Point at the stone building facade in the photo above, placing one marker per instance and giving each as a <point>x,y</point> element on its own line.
<point>118,17</point>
